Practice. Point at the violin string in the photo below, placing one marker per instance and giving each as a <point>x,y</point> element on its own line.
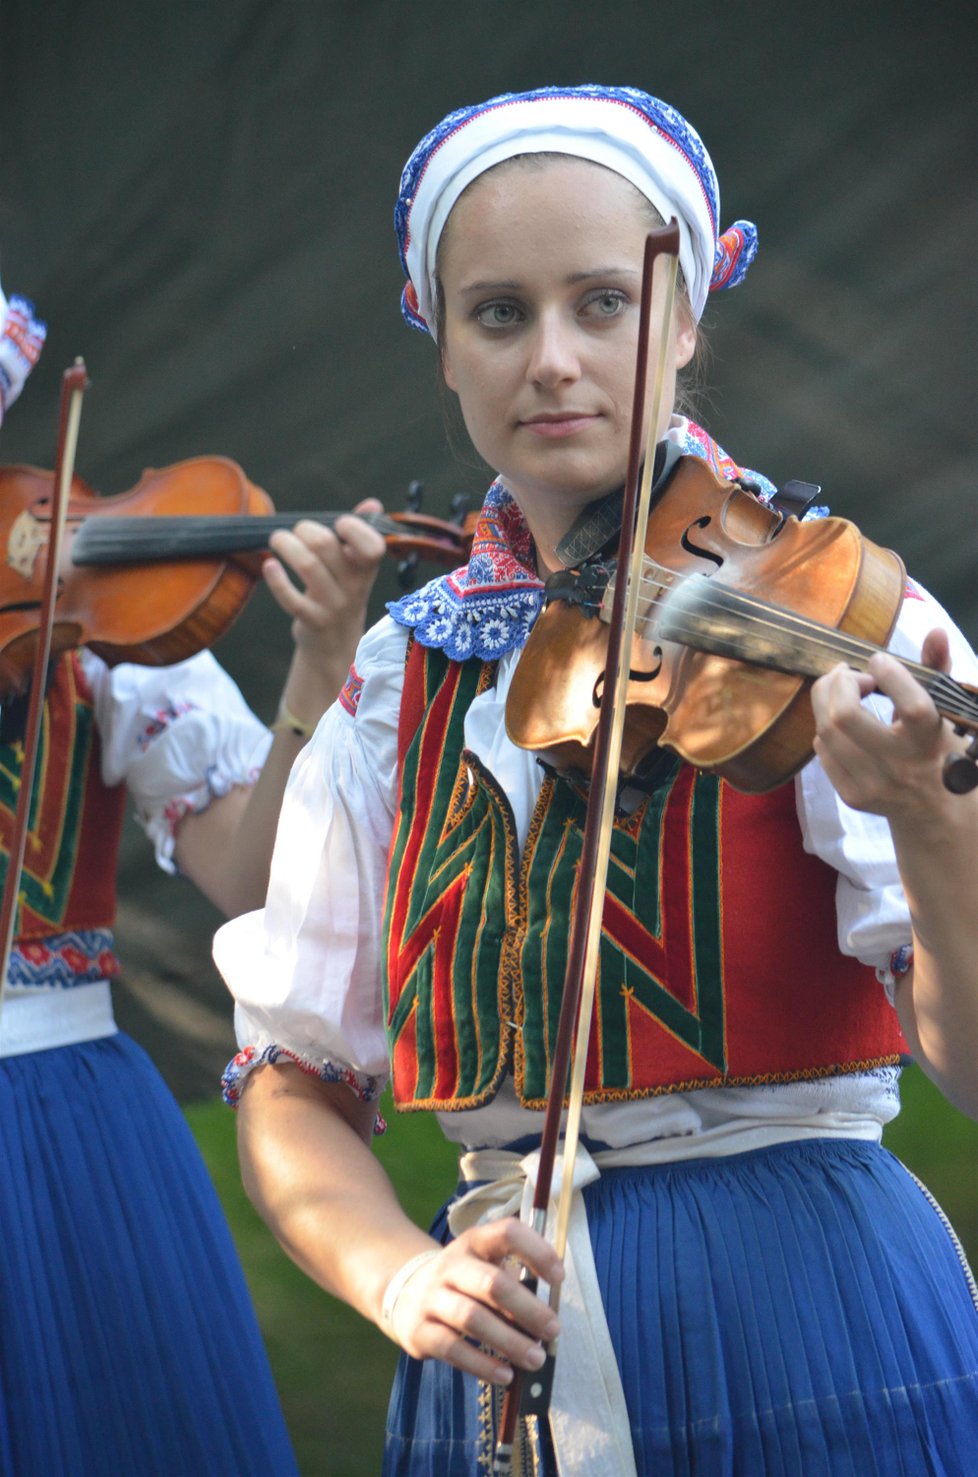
<point>951,701</point>
<point>825,643</point>
<point>821,640</point>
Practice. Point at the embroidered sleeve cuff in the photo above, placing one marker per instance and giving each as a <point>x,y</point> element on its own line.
<point>367,1088</point>
<point>161,825</point>
<point>899,964</point>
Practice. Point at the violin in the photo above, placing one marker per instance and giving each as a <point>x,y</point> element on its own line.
<point>158,573</point>
<point>740,609</point>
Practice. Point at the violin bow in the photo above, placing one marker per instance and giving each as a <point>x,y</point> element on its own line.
<point>530,1394</point>
<point>74,383</point>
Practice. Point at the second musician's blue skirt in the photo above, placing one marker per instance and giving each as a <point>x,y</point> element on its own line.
<point>128,1344</point>
<point>796,1311</point>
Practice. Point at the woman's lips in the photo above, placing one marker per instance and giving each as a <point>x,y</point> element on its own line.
<point>553,427</point>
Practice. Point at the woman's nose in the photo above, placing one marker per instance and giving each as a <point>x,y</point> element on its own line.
<point>553,352</point>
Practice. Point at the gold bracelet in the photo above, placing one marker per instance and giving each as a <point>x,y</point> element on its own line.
<point>287,722</point>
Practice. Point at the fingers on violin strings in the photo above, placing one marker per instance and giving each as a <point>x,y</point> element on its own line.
<point>936,651</point>
<point>852,743</point>
<point>330,576</point>
<point>359,541</point>
<point>837,698</point>
<point>914,712</point>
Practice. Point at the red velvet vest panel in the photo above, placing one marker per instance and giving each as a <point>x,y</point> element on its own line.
<point>718,964</point>
<point>72,850</point>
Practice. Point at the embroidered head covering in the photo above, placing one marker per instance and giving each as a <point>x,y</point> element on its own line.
<point>21,340</point>
<point>638,136</point>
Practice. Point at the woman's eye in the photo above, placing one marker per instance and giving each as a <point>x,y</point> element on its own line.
<point>497,315</point>
<point>605,304</point>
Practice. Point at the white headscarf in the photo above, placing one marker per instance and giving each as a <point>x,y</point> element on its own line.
<point>635,135</point>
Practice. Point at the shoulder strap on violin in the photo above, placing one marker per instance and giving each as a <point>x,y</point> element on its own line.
<point>601,521</point>
<point>795,497</point>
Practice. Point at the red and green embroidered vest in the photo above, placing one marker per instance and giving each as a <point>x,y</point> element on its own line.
<point>70,858</point>
<point>718,961</point>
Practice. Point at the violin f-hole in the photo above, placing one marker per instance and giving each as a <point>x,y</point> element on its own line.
<point>691,548</point>
<point>634,675</point>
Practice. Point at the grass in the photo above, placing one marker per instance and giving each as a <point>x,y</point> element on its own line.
<point>334,1370</point>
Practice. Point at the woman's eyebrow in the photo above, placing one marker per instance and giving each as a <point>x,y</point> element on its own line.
<point>588,275</point>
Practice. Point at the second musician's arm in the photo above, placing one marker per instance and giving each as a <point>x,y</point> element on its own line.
<point>226,849</point>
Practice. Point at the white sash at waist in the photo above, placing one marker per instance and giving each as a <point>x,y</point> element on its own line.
<point>51,1018</point>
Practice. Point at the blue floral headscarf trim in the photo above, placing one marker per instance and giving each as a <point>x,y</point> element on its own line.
<point>488,607</point>
<point>21,340</point>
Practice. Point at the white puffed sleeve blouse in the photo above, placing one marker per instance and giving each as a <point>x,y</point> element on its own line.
<point>176,736</point>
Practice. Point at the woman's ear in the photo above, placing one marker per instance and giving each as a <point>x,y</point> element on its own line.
<point>446,368</point>
<point>685,342</point>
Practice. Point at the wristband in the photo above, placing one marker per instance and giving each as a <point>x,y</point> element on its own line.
<point>287,722</point>
<point>397,1285</point>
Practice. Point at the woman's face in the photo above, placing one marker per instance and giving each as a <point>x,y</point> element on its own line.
<point>541,269</point>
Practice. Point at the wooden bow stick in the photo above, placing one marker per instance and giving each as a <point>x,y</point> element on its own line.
<point>577,1004</point>
<point>74,383</point>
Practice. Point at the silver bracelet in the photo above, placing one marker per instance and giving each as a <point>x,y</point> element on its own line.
<point>396,1286</point>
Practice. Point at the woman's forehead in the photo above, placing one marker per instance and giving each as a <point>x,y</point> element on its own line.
<point>534,198</point>
<point>548,176</point>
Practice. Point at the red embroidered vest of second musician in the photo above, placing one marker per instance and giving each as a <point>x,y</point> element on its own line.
<point>718,962</point>
<point>70,859</point>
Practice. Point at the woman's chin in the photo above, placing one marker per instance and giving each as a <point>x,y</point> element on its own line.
<point>571,484</point>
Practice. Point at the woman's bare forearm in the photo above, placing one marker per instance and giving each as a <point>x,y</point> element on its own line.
<point>308,1168</point>
<point>310,1173</point>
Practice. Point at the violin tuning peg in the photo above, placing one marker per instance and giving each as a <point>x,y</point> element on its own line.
<point>460,506</point>
<point>405,571</point>
<point>960,771</point>
<point>415,494</point>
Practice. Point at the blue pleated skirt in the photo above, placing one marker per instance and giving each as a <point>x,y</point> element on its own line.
<point>801,1310</point>
<point>128,1343</point>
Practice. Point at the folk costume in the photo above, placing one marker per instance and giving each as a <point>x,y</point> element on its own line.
<point>127,1338</point>
<point>753,1283</point>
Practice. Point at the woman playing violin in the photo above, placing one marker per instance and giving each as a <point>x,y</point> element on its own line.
<point>753,1284</point>
<point>127,1339</point>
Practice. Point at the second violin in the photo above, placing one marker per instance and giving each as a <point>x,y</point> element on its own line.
<point>160,572</point>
